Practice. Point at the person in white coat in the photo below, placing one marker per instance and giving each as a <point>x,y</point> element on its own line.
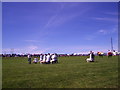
<point>48,58</point>
<point>114,53</point>
<point>91,58</point>
<point>35,60</point>
<point>44,59</point>
<point>41,57</point>
<point>54,58</point>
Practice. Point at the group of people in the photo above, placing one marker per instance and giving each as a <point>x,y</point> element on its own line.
<point>100,54</point>
<point>109,54</point>
<point>112,53</point>
<point>45,59</point>
<point>53,58</point>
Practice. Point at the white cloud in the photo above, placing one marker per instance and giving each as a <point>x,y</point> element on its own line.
<point>28,49</point>
<point>99,32</point>
<point>110,31</point>
<point>90,37</point>
<point>115,29</point>
<point>112,13</point>
<point>59,18</point>
<point>31,41</point>
<point>63,49</point>
<point>102,31</point>
<point>32,47</point>
<point>60,0</point>
<point>106,19</point>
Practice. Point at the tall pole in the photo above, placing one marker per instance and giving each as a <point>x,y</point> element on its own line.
<point>111,44</point>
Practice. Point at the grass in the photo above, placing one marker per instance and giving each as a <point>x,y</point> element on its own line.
<point>70,72</point>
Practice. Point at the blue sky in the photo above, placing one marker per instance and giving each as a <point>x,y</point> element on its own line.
<point>56,27</point>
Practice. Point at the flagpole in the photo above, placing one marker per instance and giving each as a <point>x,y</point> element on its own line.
<point>111,44</point>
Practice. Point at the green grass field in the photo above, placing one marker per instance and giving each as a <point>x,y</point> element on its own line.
<point>70,72</point>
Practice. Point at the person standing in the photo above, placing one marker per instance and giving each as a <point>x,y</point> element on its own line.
<point>29,58</point>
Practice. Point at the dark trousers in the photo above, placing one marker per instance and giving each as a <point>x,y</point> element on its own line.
<point>29,60</point>
<point>109,56</point>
